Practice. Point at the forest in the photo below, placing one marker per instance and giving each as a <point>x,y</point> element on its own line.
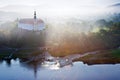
<point>68,40</point>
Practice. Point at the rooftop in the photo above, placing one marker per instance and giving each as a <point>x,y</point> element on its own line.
<point>30,21</point>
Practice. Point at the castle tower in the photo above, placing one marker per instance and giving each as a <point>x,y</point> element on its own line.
<point>35,15</point>
<point>35,22</point>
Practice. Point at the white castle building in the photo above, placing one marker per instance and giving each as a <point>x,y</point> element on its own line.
<point>31,23</point>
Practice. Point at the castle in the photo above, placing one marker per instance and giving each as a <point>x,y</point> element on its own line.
<point>32,24</point>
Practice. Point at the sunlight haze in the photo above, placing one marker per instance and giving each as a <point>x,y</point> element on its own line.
<point>56,7</point>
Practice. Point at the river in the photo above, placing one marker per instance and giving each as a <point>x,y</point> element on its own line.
<point>17,70</point>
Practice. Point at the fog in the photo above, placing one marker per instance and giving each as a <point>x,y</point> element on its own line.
<point>55,8</point>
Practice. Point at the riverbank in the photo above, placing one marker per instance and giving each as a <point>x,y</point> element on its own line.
<point>111,56</point>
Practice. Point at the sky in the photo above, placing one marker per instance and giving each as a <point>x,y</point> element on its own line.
<point>58,2</point>
<point>58,7</point>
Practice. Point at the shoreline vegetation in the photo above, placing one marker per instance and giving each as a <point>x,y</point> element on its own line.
<point>111,56</point>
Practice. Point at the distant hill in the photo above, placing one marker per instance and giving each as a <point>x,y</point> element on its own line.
<point>115,8</point>
<point>116,5</point>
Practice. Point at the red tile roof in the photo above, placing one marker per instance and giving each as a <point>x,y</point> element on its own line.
<point>30,21</point>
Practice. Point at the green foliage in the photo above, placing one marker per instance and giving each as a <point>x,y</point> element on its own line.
<point>116,53</point>
<point>68,40</point>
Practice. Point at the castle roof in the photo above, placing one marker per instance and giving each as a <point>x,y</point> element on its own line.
<point>30,21</point>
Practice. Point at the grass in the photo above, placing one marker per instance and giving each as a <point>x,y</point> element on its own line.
<point>103,57</point>
<point>116,53</point>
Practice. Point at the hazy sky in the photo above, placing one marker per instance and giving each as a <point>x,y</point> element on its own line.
<point>58,2</point>
<point>57,6</point>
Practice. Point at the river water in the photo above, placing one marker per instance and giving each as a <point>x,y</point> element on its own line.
<point>16,70</point>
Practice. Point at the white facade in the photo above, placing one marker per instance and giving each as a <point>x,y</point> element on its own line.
<point>34,27</point>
